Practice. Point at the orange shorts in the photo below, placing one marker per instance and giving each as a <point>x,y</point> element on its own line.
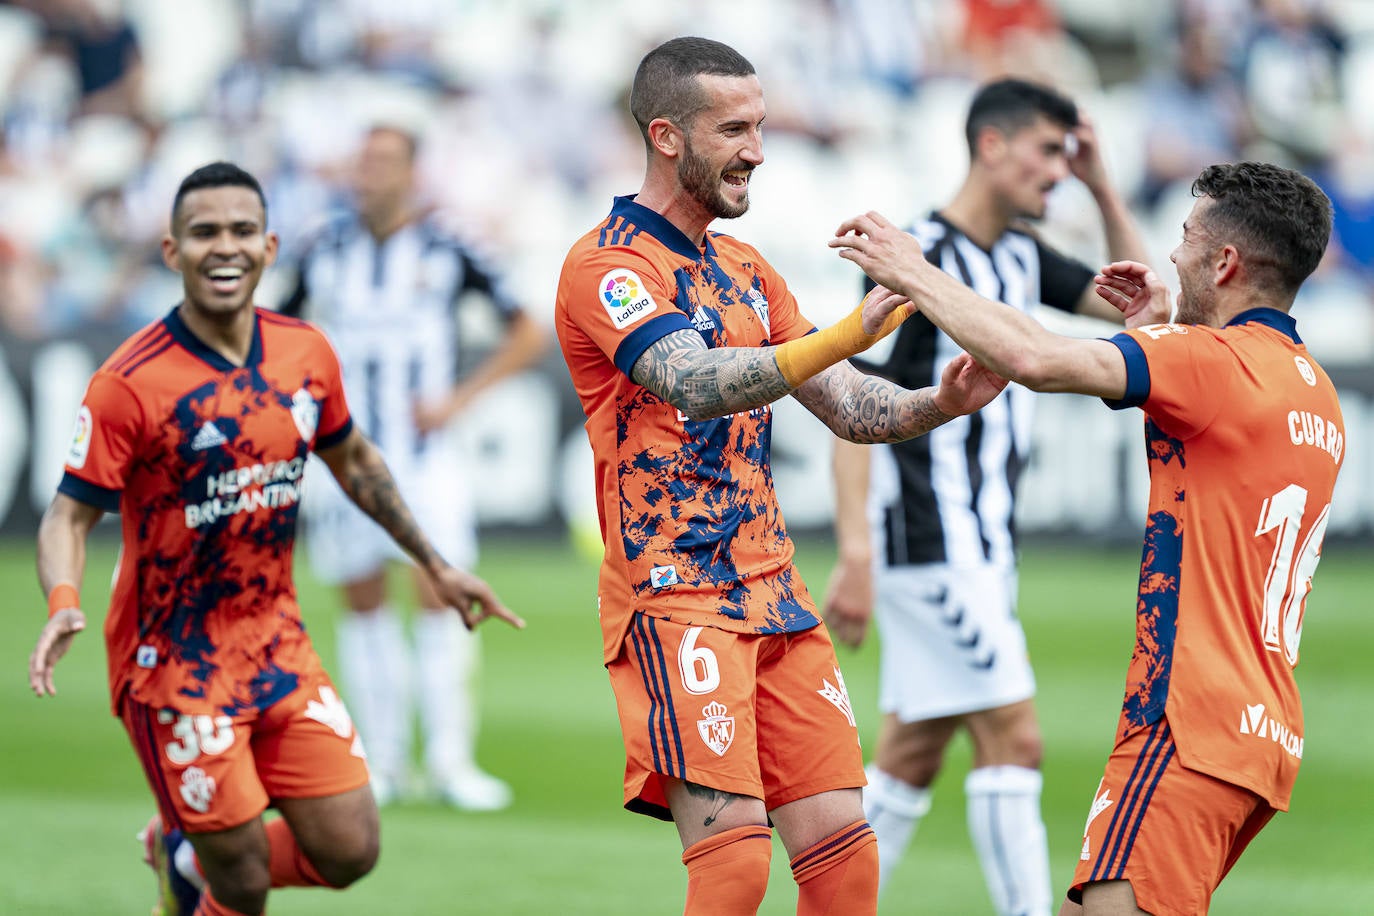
<point>764,716</point>
<point>1172,832</point>
<point>212,773</point>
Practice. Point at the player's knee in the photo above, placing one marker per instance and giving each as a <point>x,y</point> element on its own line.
<point>348,861</point>
<point>241,882</point>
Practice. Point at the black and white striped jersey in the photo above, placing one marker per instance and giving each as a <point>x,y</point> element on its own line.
<point>947,497</point>
<point>390,311</point>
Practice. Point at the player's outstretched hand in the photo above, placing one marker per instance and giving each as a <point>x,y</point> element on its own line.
<point>848,605</point>
<point>472,598</point>
<point>1136,292</point>
<point>886,253</point>
<point>53,643</point>
<point>967,385</point>
<point>881,302</point>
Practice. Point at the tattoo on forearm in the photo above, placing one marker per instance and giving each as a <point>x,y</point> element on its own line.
<point>370,485</point>
<point>864,408</point>
<point>720,800</point>
<point>705,383</point>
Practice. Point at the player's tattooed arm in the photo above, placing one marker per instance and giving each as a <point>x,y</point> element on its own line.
<point>358,466</point>
<point>703,382</point>
<point>865,408</point>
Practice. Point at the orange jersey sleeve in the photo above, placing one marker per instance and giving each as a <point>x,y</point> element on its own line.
<point>1244,437</point>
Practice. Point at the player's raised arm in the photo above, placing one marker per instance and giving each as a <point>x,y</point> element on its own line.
<point>705,382</point>
<point>61,561</point>
<point>359,468</point>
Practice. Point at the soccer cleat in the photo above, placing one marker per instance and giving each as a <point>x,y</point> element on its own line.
<point>476,791</point>
<point>175,895</point>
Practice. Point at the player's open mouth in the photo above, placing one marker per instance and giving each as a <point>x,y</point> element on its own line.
<point>737,179</point>
<point>226,279</point>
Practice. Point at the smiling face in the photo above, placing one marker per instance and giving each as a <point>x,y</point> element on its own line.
<point>1025,165</point>
<point>723,145</point>
<point>1197,293</point>
<point>220,245</point>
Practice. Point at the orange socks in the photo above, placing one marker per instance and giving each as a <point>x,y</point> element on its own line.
<point>209,906</point>
<point>727,874</point>
<point>288,865</point>
<point>839,875</point>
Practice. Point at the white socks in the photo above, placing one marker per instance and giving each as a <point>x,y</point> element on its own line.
<point>1009,835</point>
<point>894,810</point>
<point>375,667</point>
<point>445,667</point>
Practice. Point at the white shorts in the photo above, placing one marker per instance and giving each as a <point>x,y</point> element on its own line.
<point>345,545</point>
<point>950,641</point>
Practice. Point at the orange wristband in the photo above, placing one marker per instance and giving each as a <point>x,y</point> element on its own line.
<point>63,596</point>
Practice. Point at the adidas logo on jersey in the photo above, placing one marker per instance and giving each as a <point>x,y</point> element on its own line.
<point>1253,721</point>
<point>208,436</point>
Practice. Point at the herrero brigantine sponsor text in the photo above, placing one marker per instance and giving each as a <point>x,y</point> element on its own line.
<point>274,485</point>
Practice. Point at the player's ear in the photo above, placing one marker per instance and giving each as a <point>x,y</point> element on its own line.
<point>666,137</point>
<point>990,143</point>
<point>170,248</point>
<point>1227,263</point>
<point>270,254</point>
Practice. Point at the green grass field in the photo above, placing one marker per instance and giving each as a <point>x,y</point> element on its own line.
<point>71,796</point>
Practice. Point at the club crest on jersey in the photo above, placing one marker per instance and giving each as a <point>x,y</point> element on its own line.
<point>717,730</point>
<point>760,306</point>
<point>625,298</point>
<point>197,789</point>
<point>81,438</point>
<point>306,412</point>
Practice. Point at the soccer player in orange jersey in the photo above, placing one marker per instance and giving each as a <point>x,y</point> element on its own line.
<point>196,431</point>
<point>731,702</point>
<point>1244,437</point>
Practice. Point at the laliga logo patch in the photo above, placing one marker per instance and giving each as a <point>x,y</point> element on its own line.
<point>623,295</point>
<point>717,730</point>
<point>81,438</point>
<point>306,413</point>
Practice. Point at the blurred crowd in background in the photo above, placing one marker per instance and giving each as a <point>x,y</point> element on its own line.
<point>521,108</point>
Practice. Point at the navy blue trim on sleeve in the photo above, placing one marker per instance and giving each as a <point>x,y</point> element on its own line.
<point>334,438</point>
<point>645,336</point>
<point>1137,373</point>
<point>83,491</point>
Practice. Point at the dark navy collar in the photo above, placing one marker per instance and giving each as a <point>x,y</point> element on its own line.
<point>657,225</point>
<point>202,351</point>
<point>1270,318</point>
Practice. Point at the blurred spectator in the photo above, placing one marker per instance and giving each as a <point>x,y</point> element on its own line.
<point>21,290</point>
<point>1291,74</point>
<point>1195,110</point>
<point>1349,181</point>
<point>104,49</point>
<point>94,268</point>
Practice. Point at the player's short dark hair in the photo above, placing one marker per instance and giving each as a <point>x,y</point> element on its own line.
<point>1012,104</point>
<point>1278,218</point>
<point>217,175</point>
<point>666,83</point>
<point>408,137</point>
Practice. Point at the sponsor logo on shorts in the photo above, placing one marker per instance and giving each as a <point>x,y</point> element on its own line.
<point>329,710</point>
<point>625,299</point>
<point>197,789</point>
<point>1101,802</point>
<point>717,730</point>
<point>838,696</point>
<point>663,576</point>
<point>1253,721</point>
<point>81,438</point>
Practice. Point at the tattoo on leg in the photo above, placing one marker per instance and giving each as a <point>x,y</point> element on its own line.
<point>720,799</point>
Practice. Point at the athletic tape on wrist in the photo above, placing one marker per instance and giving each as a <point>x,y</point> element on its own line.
<point>800,359</point>
<point>63,595</point>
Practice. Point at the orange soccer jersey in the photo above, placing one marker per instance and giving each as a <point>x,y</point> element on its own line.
<point>204,462</point>
<point>1244,437</point>
<point>688,514</point>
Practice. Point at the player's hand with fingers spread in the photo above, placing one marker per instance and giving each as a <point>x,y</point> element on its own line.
<point>967,385</point>
<point>472,597</point>
<point>848,603</point>
<point>53,643</point>
<point>1136,291</point>
<point>891,257</point>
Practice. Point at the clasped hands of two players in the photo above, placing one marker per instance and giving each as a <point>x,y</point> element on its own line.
<point>470,596</point>
<point>895,259</point>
